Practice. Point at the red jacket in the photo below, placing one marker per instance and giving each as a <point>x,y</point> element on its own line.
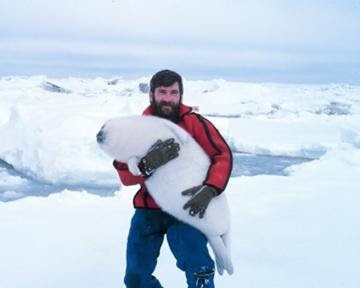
<point>209,139</point>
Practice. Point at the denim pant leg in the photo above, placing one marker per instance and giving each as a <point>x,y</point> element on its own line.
<point>143,248</point>
<point>189,247</point>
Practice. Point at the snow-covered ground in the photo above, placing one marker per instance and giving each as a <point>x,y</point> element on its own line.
<point>298,230</point>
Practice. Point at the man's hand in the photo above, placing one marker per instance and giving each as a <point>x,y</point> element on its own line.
<point>201,197</point>
<point>159,154</point>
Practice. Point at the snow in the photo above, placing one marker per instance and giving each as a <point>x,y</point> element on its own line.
<point>298,230</point>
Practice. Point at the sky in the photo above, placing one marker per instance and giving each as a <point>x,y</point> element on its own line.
<point>257,41</point>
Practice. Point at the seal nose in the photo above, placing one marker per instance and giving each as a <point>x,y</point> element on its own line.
<point>100,136</point>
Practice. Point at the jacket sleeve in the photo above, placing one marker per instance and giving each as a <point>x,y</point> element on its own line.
<point>125,175</point>
<point>218,150</point>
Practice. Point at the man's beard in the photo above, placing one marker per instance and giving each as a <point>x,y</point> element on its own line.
<point>159,110</point>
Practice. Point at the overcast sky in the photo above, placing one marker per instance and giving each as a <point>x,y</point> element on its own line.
<point>270,40</point>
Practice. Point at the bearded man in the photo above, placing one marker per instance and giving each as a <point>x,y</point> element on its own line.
<point>150,224</point>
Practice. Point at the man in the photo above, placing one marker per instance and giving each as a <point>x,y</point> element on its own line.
<point>149,223</point>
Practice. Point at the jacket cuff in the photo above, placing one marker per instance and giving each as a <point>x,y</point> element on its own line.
<point>120,165</point>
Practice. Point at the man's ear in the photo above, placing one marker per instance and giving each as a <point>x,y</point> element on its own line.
<point>151,97</point>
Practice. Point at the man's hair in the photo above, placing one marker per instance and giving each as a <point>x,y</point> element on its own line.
<point>165,78</point>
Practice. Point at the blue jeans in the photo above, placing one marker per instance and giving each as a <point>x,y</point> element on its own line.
<point>148,227</point>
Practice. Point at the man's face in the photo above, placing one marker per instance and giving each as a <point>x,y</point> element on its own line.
<point>166,100</point>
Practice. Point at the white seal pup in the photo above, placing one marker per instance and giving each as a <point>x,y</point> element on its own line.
<point>128,139</point>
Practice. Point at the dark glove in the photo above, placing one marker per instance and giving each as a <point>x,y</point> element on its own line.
<point>201,197</point>
<point>159,154</point>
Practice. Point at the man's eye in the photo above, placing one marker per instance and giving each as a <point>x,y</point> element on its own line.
<point>174,92</point>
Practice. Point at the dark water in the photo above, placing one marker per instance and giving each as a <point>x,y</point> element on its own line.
<point>34,187</point>
<point>243,164</point>
<point>255,164</point>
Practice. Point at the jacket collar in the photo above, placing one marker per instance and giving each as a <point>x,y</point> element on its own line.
<point>182,111</point>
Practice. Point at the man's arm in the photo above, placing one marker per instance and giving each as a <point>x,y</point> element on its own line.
<point>126,177</point>
<point>159,154</point>
<point>219,171</point>
<point>219,152</point>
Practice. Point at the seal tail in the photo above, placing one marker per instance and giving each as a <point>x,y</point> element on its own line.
<point>221,247</point>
